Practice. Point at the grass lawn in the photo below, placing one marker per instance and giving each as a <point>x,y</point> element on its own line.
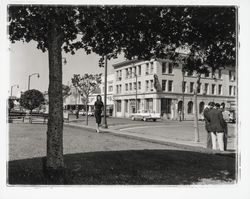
<point>163,167</point>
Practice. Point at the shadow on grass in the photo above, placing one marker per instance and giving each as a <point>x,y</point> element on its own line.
<point>166,167</point>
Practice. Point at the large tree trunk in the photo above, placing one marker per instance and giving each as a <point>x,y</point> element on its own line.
<point>54,161</point>
<point>196,125</point>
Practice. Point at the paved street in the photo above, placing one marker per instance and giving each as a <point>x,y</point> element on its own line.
<point>174,131</point>
<point>93,158</point>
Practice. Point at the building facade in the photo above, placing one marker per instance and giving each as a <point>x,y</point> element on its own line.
<point>160,86</point>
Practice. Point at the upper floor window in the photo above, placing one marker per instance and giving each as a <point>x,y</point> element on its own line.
<point>230,90</point>
<point>170,85</point>
<point>191,87</point>
<point>164,67</point>
<point>220,89</point>
<point>147,68</point>
<point>231,75</point>
<point>199,88</point>
<point>139,70</point>
<point>184,86</point>
<point>164,82</point>
<point>151,67</point>
<point>206,88</point>
<point>147,85</point>
<point>219,74</point>
<point>213,89</point>
<point>139,85</point>
<point>170,68</point>
<point>151,85</point>
<point>126,87</point>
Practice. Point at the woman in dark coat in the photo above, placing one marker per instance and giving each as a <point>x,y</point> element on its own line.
<point>98,112</point>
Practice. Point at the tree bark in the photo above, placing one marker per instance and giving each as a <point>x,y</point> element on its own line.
<point>196,125</point>
<point>54,161</point>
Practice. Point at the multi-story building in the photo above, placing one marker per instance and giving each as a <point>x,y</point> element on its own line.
<point>160,88</point>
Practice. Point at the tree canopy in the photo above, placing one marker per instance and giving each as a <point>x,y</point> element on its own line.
<point>31,99</point>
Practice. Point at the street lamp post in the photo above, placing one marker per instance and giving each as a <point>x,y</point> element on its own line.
<point>12,89</point>
<point>30,77</point>
<point>105,93</point>
<point>183,89</point>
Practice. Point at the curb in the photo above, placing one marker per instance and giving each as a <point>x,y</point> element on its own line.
<point>151,140</point>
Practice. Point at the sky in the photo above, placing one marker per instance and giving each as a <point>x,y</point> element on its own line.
<point>25,59</point>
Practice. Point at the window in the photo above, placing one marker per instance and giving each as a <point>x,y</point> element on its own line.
<point>213,89</point>
<point>164,82</point>
<point>126,73</point>
<point>170,85</point>
<point>135,71</point>
<point>126,87</point>
<point>170,68</point>
<point>120,88</point>
<point>219,74</point>
<point>117,75</point>
<point>191,87</point>
<point>166,105</point>
<point>201,107</point>
<point>130,86</point>
<point>207,74</point>
<point>184,85</point>
<point>234,90</point>
<point>139,85</point>
<point>190,107</point>
<point>231,75</point>
<point>199,88</point>
<point>118,106</point>
<point>151,85</point>
<point>126,106</point>
<point>117,89</point>
<point>139,70</point>
<point>135,85</point>
<point>220,89</point>
<point>151,67</point>
<point>110,88</point>
<point>147,86</point>
<point>130,72</point>
<point>213,74</point>
<point>230,90</point>
<point>147,68</point>
<point>164,67</point>
<point>206,88</point>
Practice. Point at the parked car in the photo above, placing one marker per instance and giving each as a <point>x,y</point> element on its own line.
<point>82,112</point>
<point>145,115</point>
<point>91,113</point>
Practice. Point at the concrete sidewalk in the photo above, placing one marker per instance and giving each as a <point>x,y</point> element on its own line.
<point>179,134</point>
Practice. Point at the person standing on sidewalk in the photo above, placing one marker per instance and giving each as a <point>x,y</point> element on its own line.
<point>205,114</point>
<point>98,112</point>
<point>216,126</point>
<point>225,117</point>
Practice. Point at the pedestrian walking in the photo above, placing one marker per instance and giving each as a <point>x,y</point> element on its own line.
<point>77,112</point>
<point>225,117</point>
<point>216,126</point>
<point>98,112</point>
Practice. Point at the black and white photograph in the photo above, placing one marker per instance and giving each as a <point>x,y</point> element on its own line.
<point>130,95</point>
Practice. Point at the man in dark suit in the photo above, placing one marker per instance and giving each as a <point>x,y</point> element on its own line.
<point>205,113</point>
<point>216,126</point>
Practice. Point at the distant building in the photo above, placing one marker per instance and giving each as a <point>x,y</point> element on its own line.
<point>159,88</point>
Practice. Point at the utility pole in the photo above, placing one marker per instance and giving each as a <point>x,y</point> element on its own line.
<point>105,93</point>
<point>183,89</point>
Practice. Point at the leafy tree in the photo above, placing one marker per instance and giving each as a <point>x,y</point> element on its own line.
<point>10,104</point>
<point>86,85</point>
<point>54,28</point>
<point>65,91</point>
<point>31,99</point>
